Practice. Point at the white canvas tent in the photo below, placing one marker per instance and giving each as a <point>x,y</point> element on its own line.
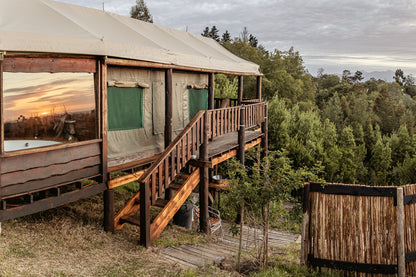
<point>55,27</point>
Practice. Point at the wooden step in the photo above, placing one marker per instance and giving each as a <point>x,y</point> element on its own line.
<point>161,203</point>
<point>132,219</point>
<point>175,186</point>
<point>183,176</point>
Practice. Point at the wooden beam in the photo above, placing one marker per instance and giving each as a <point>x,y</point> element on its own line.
<point>123,180</point>
<point>265,130</point>
<point>258,90</point>
<point>133,164</point>
<point>135,63</point>
<point>204,180</point>
<point>211,86</point>
<point>240,90</point>
<point>103,120</point>
<point>168,106</point>
<point>109,210</point>
<point>233,153</point>
<point>242,135</point>
<point>145,214</point>
<point>52,65</point>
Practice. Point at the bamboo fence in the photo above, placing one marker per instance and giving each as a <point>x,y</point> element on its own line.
<point>362,230</point>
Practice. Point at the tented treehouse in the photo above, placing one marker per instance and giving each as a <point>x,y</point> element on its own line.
<point>86,94</point>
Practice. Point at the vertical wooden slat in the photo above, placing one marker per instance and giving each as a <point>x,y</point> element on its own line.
<point>400,234</point>
<point>1,114</point>
<point>144,214</point>
<point>160,180</point>
<point>264,130</point>
<point>153,187</point>
<point>305,225</point>
<point>167,176</point>
<point>104,164</point>
<point>168,106</point>
<point>178,158</point>
<point>98,93</point>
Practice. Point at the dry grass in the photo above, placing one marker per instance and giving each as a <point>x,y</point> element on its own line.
<point>70,241</point>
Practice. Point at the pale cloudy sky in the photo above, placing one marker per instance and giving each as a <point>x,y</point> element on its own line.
<point>369,35</point>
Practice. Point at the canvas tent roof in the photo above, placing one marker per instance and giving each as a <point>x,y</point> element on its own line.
<point>56,27</point>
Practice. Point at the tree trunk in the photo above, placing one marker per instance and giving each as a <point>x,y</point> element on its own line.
<point>266,236</point>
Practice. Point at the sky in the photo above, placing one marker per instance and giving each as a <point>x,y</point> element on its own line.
<point>39,94</point>
<point>366,35</point>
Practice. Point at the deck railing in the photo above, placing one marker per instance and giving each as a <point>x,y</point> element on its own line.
<point>186,145</point>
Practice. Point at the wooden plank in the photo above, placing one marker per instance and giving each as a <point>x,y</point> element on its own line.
<point>26,161</point>
<point>20,177</point>
<point>134,164</point>
<point>135,63</point>
<point>168,106</point>
<point>173,206</point>
<point>1,115</point>
<point>211,86</point>
<point>123,180</point>
<point>70,177</point>
<point>51,202</point>
<point>258,90</point>
<point>52,65</point>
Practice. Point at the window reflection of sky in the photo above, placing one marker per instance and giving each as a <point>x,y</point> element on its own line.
<point>37,94</point>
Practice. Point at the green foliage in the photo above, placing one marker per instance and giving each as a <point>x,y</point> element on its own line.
<point>141,12</point>
<point>225,87</point>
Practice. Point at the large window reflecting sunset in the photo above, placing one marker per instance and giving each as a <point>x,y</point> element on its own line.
<point>58,108</point>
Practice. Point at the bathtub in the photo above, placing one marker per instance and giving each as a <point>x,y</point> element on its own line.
<point>14,145</point>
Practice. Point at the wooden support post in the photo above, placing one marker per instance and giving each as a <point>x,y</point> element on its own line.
<point>109,210</point>
<point>168,106</point>
<point>240,90</point>
<point>305,224</point>
<point>258,91</point>
<point>1,112</point>
<point>204,180</point>
<point>103,120</point>
<point>145,214</point>
<point>265,130</point>
<point>242,135</point>
<point>400,234</point>
<point>211,87</point>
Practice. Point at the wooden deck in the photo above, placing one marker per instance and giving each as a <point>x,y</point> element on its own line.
<point>229,142</point>
<point>193,256</point>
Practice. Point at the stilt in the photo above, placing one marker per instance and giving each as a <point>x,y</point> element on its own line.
<point>204,181</point>
<point>109,210</point>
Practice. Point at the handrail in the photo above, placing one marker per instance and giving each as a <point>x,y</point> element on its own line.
<point>172,146</point>
<point>175,157</point>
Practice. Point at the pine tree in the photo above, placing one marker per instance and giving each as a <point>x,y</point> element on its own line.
<point>141,12</point>
<point>226,36</point>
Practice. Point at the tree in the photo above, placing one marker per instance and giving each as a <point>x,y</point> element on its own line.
<point>226,36</point>
<point>253,41</point>
<point>399,77</point>
<point>211,33</point>
<point>205,33</point>
<point>141,12</point>
<point>346,76</point>
<point>358,76</point>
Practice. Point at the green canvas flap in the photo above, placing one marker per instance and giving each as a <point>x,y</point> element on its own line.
<point>125,108</point>
<point>198,100</point>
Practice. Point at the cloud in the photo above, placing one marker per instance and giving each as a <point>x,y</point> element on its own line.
<point>315,27</point>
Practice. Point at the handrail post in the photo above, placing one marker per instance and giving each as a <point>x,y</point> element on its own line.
<point>242,135</point>
<point>258,91</point>
<point>264,130</point>
<point>204,180</point>
<point>168,106</point>
<point>145,214</point>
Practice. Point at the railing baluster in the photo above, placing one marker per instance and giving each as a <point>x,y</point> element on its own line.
<point>153,188</point>
<point>167,177</point>
<point>160,179</point>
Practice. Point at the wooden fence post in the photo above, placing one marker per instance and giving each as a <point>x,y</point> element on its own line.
<point>305,224</point>
<point>400,234</point>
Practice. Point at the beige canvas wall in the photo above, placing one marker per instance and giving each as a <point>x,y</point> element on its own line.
<point>129,145</point>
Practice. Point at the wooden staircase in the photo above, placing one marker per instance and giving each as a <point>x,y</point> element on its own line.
<point>190,144</point>
<point>162,175</point>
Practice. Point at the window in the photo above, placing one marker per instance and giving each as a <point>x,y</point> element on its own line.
<point>42,109</point>
<point>125,108</point>
<point>198,100</point>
